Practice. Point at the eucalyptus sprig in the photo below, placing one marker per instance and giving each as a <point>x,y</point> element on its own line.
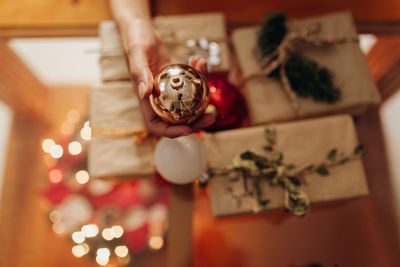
<point>307,78</point>
<point>272,168</point>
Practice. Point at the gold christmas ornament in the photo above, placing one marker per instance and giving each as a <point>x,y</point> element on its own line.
<point>184,94</point>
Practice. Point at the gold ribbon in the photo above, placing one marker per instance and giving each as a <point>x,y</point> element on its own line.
<point>290,43</point>
<point>139,135</point>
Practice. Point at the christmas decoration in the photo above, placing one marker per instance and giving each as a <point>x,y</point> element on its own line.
<point>110,222</point>
<point>255,169</point>
<point>183,94</point>
<point>321,70</point>
<point>180,160</point>
<point>228,102</point>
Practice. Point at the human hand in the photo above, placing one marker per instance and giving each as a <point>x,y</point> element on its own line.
<point>147,55</point>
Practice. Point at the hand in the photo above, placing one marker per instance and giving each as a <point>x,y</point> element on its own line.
<point>147,55</point>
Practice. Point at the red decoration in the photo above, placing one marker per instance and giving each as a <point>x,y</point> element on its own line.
<point>228,101</point>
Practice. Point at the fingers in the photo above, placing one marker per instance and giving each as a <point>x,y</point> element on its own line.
<point>199,64</point>
<point>140,71</point>
<point>205,121</point>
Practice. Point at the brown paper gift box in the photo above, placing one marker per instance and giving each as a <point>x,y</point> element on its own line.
<point>302,143</point>
<point>266,99</point>
<point>114,105</point>
<point>184,27</point>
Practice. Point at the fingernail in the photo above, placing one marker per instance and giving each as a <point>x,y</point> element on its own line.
<point>142,90</point>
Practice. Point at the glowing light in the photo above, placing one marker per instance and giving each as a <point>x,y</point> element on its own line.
<point>78,237</point>
<point>82,177</point>
<point>102,256</point>
<point>85,247</point>
<point>213,89</point>
<point>156,242</point>
<point>90,230</point>
<point>107,234</point>
<point>86,124</point>
<point>67,128</point>
<point>86,133</point>
<point>56,151</point>
<point>55,216</point>
<point>55,176</point>
<point>78,251</point>
<point>102,261</point>
<point>59,228</point>
<point>73,116</point>
<point>74,148</point>
<point>47,144</point>
<point>121,251</point>
<point>117,231</point>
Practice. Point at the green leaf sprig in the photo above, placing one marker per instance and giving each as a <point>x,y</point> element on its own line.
<point>272,168</point>
<point>307,78</point>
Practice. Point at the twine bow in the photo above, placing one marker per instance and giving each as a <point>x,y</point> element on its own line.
<point>292,41</point>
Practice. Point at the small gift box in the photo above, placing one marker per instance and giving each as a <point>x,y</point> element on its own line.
<point>117,129</point>
<point>321,150</point>
<point>184,35</point>
<point>331,42</point>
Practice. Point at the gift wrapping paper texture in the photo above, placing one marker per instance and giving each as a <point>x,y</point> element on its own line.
<point>265,96</point>
<point>114,105</point>
<point>175,30</point>
<point>302,143</point>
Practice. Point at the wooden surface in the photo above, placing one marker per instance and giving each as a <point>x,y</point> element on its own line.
<point>19,87</point>
<point>80,17</point>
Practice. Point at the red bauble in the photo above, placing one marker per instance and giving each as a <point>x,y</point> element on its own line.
<point>228,101</point>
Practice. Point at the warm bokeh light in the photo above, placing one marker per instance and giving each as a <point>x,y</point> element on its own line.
<point>107,234</point>
<point>156,242</point>
<point>102,261</point>
<point>90,230</point>
<point>102,254</point>
<point>78,237</point>
<point>121,251</point>
<point>73,116</point>
<point>74,148</point>
<point>47,144</point>
<point>59,228</point>
<point>85,247</point>
<point>56,151</point>
<point>86,133</point>
<point>67,128</point>
<point>78,251</point>
<point>117,231</point>
<point>82,177</point>
<point>55,216</point>
<point>55,176</point>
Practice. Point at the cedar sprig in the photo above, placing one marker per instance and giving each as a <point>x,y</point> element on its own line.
<point>307,77</point>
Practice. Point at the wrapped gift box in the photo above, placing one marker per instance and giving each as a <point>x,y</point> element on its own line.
<point>176,31</point>
<point>266,98</point>
<point>114,106</point>
<point>302,143</point>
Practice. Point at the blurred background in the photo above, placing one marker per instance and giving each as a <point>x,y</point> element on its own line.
<point>49,54</point>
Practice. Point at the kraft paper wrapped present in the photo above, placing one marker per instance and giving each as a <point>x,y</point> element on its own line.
<point>114,107</point>
<point>302,143</point>
<point>176,31</point>
<point>266,98</point>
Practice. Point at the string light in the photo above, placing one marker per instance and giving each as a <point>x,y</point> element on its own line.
<point>117,230</point>
<point>82,177</point>
<point>56,151</point>
<point>86,132</point>
<point>78,251</point>
<point>107,234</point>
<point>85,247</point>
<point>102,256</point>
<point>47,144</point>
<point>55,216</point>
<point>78,237</point>
<point>73,116</point>
<point>121,251</point>
<point>55,176</point>
<point>90,230</point>
<point>58,228</point>
<point>156,242</point>
<point>74,148</point>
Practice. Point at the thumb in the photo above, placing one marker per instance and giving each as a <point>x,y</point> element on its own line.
<point>140,72</point>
